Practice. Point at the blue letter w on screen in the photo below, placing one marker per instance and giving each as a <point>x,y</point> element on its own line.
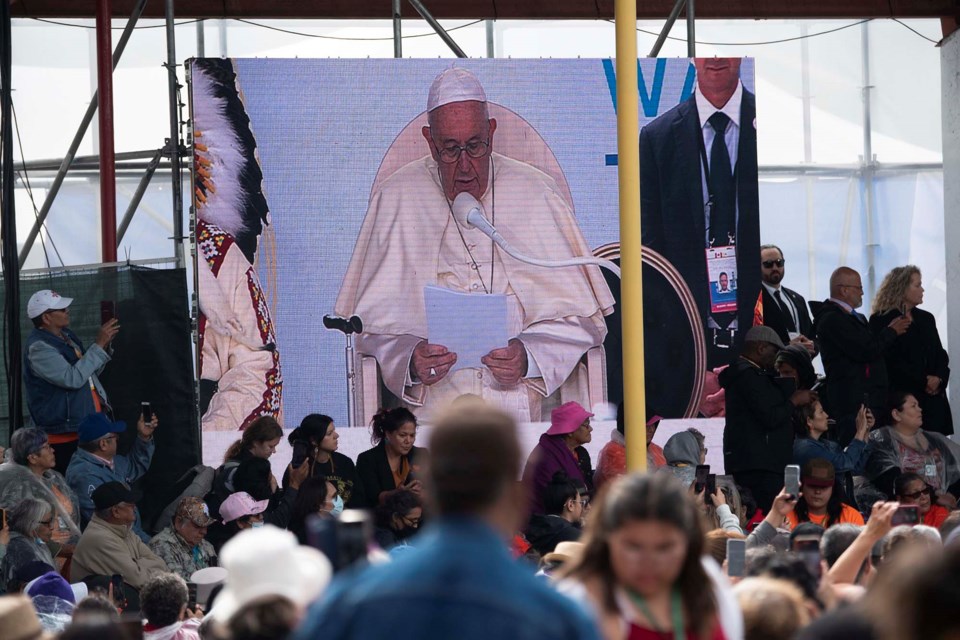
<point>649,102</point>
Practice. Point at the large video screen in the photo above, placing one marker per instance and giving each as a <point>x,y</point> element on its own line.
<point>343,261</point>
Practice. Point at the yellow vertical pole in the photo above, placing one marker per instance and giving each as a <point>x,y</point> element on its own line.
<point>631,286</point>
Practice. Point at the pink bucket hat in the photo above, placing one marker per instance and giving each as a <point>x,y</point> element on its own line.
<point>567,418</point>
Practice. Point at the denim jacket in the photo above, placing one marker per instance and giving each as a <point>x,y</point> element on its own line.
<point>459,582</point>
<point>86,472</point>
<point>57,382</point>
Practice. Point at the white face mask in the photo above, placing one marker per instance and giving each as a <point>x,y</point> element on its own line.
<point>256,524</point>
<point>337,506</point>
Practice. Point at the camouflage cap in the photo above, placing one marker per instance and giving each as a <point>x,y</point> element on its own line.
<point>195,510</point>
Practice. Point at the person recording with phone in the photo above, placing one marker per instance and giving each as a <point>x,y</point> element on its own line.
<point>164,603</point>
<point>821,498</point>
<point>794,361</point>
<point>315,442</point>
<point>97,461</point>
<point>811,424</point>
<point>758,437</point>
<point>60,374</point>
<point>394,462</point>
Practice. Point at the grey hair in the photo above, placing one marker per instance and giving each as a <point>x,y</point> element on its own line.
<point>25,517</point>
<point>162,598</point>
<point>836,539</point>
<point>930,533</point>
<point>25,442</point>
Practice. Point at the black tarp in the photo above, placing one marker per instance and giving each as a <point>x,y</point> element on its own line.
<point>152,361</point>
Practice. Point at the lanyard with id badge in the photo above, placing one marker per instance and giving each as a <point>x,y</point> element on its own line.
<point>721,257</point>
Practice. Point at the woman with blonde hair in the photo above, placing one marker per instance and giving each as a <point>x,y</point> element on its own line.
<point>916,361</point>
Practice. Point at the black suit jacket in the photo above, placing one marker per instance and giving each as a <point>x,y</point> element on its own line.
<point>912,357</point>
<point>774,318</point>
<point>375,474</point>
<point>672,205</point>
<point>853,359</point>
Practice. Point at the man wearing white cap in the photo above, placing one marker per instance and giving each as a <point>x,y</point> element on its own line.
<point>410,239</point>
<point>60,376</point>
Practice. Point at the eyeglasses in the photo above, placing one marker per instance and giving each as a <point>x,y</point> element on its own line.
<point>413,522</point>
<point>852,286</point>
<point>770,264</point>
<point>584,502</point>
<point>917,494</point>
<point>451,152</point>
<point>48,522</point>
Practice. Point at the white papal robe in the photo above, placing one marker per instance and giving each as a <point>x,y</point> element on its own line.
<point>409,239</point>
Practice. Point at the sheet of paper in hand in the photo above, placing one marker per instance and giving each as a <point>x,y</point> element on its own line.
<point>468,324</point>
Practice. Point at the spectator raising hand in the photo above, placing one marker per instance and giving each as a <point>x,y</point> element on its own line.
<point>848,565</point>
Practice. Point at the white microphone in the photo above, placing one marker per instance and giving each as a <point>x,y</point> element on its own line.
<point>468,214</point>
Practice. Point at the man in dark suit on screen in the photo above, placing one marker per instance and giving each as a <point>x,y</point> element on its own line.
<point>784,310</point>
<point>698,176</point>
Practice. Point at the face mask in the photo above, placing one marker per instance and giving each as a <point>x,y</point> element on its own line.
<point>256,525</point>
<point>337,507</point>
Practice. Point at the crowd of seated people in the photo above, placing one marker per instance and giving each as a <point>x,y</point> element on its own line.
<point>867,540</point>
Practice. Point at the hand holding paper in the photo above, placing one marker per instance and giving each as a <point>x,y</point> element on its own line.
<point>473,326</point>
<point>508,364</point>
<point>431,362</point>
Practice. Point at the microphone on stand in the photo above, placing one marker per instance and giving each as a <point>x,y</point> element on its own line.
<point>468,213</point>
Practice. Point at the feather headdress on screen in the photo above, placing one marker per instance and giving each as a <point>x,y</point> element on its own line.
<point>229,183</point>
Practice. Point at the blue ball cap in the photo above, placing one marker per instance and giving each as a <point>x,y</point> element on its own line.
<point>97,425</point>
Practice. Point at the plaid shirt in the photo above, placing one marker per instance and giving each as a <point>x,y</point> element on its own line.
<point>178,555</point>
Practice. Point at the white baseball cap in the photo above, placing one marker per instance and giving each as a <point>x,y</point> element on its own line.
<point>454,85</point>
<point>44,300</point>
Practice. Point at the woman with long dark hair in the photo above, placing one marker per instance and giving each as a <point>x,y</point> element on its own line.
<point>318,433</point>
<point>641,567</point>
<point>821,498</point>
<point>393,463</point>
<point>317,497</point>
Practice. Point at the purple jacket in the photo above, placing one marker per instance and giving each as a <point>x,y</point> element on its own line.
<point>548,457</point>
